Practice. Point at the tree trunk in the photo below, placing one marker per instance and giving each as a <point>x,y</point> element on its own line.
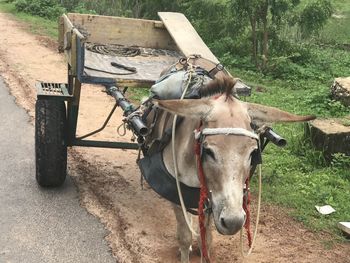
<point>265,35</point>
<point>254,41</point>
<point>137,9</point>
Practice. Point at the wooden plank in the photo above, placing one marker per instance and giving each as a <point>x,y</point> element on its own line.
<point>123,31</point>
<point>68,38</point>
<point>345,226</point>
<point>148,68</point>
<point>73,55</point>
<point>135,83</point>
<point>185,36</point>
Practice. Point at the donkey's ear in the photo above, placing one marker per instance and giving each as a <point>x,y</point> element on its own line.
<point>264,114</point>
<point>195,109</point>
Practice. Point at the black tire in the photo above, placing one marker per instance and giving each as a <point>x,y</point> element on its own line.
<point>50,143</point>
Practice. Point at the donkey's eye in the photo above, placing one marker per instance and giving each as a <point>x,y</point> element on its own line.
<point>209,152</point>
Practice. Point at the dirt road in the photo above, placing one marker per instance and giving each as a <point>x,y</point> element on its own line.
<point>141,225</point>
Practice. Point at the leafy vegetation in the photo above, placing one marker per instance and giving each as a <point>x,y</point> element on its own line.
<point>37,24</point>
<point>289,51</point>
<point>44,8</point>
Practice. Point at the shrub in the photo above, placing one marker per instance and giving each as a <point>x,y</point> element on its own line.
<point>44,8</point>
<point>82,9</point>
<point>315,16</point>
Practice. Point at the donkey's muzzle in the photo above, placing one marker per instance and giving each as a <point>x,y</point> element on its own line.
<point>230,224</point>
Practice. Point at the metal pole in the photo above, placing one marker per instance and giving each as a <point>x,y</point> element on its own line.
<point>135,121</point>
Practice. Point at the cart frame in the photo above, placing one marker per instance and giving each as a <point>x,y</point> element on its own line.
<point>56,120</point>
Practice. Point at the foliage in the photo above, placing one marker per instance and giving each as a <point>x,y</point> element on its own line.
<point>264,17</point>
<point>149,8</point>
<point>337,29</point>
<point>44,8</point>
<point>314,16</point>
<point>37,25</point>
<point>82,9</point>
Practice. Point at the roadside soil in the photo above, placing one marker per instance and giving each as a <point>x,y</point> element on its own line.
<point>141,225</point>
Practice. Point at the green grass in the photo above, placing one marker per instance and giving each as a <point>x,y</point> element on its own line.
<point>37,25</point>
<point>297,176</point>
<point>137,94</point>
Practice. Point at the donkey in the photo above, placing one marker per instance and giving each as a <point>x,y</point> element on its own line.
<point>226,158</point>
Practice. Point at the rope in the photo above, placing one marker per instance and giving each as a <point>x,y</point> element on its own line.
<point>122,125</point>
<point>184,211</point>
<point>226,131</point>
<point>129,51</point>
<point>203,198</point>
<point>126,120</point>
<point>252,242</point>
<point>113,50</point>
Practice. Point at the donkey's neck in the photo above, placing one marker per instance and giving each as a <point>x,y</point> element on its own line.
<point>184,150</point>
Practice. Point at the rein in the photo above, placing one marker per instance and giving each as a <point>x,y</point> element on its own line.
<point>199,137</point>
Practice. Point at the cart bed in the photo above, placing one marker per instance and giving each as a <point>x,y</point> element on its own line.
<point>174,35</point>
<point>148,68</point>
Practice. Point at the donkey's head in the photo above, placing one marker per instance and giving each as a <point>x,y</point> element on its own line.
<point>227,158</point>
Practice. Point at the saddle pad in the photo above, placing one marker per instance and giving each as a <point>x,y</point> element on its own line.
<point>162,182</point>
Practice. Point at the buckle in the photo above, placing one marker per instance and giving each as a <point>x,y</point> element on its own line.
<point>218,67</point>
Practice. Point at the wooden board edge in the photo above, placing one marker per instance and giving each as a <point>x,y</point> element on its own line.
<point>210,55</point>
<point>116,17</point>
<point>134,83</point>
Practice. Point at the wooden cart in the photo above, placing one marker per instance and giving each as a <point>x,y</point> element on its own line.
<point>154,45</point>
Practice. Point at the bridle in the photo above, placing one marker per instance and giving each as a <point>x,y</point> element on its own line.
<point>200,134</point>
<point>204,201</point>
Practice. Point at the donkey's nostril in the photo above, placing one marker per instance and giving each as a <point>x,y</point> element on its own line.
<point>223,222</point>
<point>231,224</point>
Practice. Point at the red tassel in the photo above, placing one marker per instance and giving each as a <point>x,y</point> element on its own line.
<point>203,199</point>
<point>246,207</point>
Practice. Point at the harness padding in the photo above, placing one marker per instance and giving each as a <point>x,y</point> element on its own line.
<point>162,182</point>
<point>170,86</point>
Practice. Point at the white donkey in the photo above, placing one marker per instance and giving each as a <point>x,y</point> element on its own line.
<point>226,157</point>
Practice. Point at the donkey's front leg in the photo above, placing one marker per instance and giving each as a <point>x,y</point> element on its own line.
<point>184,235</point>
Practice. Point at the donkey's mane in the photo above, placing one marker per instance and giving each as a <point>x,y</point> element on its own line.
<point>221,85</point>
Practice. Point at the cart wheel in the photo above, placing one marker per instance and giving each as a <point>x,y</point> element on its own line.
<point>50,143</point>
